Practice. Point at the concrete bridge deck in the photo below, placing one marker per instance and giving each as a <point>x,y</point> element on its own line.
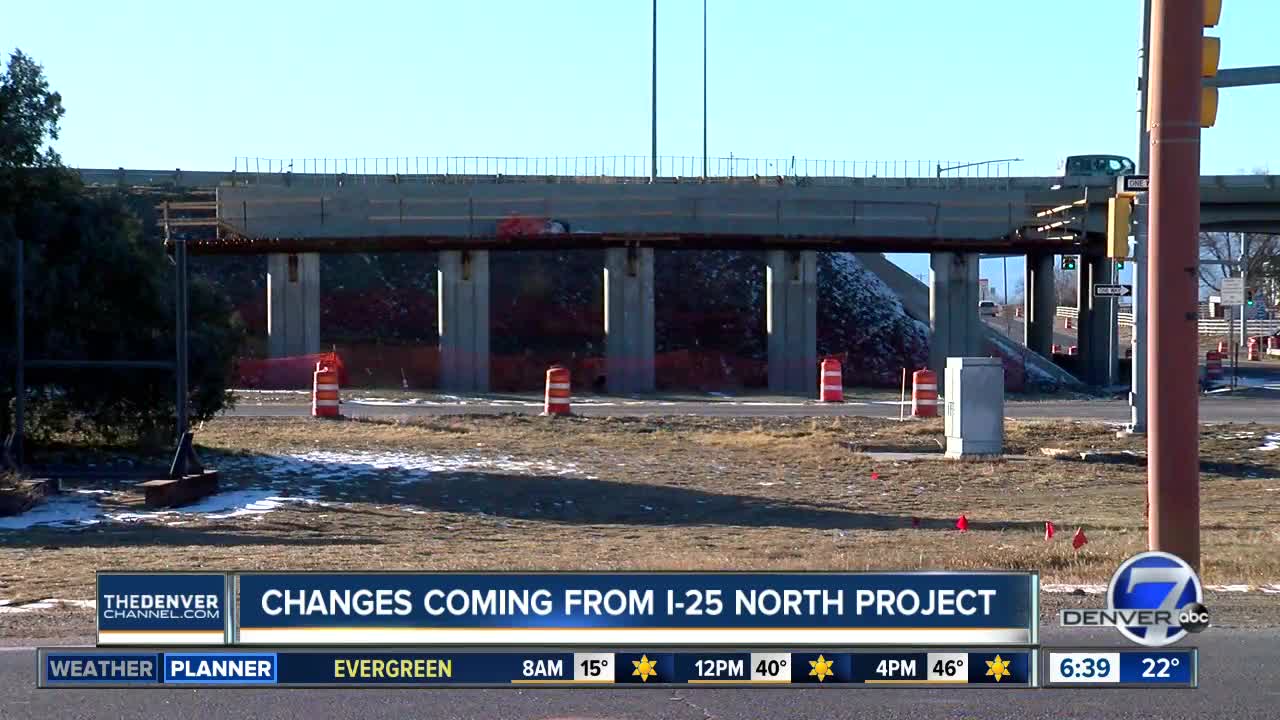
<point>292,212</point>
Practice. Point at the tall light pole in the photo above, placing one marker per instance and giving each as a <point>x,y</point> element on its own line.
<point>704,89</point>
<point>653,122</point>
<point>1138,362</point>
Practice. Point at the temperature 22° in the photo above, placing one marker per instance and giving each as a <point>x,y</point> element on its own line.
<point>695,602</point>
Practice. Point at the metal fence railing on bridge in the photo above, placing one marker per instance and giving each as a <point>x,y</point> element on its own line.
<point>622,166</point>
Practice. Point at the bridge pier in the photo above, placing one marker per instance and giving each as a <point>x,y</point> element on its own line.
<point>1039,303</point>
<point>953,309</point>
<point>629,320</point>
<point>293,304</point>
<point>791,306</point>
<point>1096,323</point>
<point>463,310</point>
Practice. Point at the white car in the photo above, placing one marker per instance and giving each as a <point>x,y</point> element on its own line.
<point>988,308</point>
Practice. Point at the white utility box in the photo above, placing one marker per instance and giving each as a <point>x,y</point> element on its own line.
<point>974,405</point>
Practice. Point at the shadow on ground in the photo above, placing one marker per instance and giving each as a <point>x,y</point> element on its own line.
<point>576,499</point>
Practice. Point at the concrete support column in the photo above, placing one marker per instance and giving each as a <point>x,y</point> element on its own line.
<point>1039,304</point>
<point>463,309</point>
<point>953,309</point>
<point>1097,322</point>
<point>1097,336</point>
<point>293,304</point>
<point>628,320</point>
<point>791,280</point>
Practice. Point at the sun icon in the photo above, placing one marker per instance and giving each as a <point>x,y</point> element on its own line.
<point>821,668</point>
<point>998,668</point>
<point>645,668</point>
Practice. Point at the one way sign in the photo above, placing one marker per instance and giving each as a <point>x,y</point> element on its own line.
<point>1115,291</point>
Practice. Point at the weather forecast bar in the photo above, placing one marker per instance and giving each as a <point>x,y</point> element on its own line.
<point>447,667</point>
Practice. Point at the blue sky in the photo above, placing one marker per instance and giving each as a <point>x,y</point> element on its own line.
<point>165,85</point>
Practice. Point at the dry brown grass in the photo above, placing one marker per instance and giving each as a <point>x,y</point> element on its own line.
<point>683,493</point>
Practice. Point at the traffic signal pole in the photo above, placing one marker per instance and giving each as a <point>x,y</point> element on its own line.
<point>1138,363</point>
<point>1173,481</point>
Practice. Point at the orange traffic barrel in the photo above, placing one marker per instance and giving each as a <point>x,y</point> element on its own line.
<point>1073,350</point>
<point>924,393</point>
<point>831,384</point>
<point>1213,366</point>
<point>1255,353</point>
<point>1273,343</point>
<point>324,392</point>
<point>557,399</point>
<point>1222,346</point>
<point>1068,323</point>
<point>1056,349</point>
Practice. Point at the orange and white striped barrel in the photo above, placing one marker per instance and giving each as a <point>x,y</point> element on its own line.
<point>557,400</point>
<point>1073,350</point>
<point>1213,366</point>
<point>1255,353</point>
<point>1056,349</point>
<point>1068,323</point>
<point>1273,343</point>
<point>324,392</point>
<point>831,384</point>
<point>924,393</point>
<point>1222,346</point>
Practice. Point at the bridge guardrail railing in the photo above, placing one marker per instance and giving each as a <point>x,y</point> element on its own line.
<point>636,166</point>
<point>1208,326</point>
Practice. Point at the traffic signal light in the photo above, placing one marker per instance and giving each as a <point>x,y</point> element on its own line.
<point>1210,52</point>
<point>1119,208</point>
<point>1119,265</point>
<point>1248,297</point>
<point>1068,262</point>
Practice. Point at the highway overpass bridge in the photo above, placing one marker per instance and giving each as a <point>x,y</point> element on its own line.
<point>292,217</point>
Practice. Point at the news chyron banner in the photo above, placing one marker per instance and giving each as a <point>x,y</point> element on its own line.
<point>174,608</point>
<point>574,609</point>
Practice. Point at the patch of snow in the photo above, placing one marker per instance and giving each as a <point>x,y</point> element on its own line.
<point>1270,442</point>
<point>389,402</point>
<point>1069,588</point>
<point>335,465</point>
<point>7,606</point>
<point>81,508</point>
<point>59,511</point>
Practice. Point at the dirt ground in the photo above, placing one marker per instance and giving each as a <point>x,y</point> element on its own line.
<point>670,493</point>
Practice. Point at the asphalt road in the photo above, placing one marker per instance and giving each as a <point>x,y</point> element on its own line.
<point>1240,679</point>
<point>1255,405</point>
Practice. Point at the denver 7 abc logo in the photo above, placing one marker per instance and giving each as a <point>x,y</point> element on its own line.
<point>1154,599</point>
